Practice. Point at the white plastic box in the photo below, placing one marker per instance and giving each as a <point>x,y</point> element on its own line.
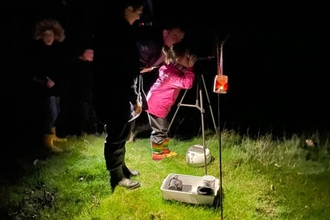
<point>189,190</point>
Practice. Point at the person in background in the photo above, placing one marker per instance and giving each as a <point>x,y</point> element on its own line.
<point>152,54</point>
<point>176,74</point>
<point>48,67</point>
<point>152,51</point>
<point>116,62</point>
<point>84,121</point>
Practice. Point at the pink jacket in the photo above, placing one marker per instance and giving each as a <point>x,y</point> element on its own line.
<point>163,94</point>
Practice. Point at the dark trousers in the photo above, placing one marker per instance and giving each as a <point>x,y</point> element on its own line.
<point>114,146</point>
<point>159,128</point>
<point>85,118</point>
<point>51,112</point>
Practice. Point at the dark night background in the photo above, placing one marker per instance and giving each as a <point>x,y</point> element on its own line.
<point>275,58</point>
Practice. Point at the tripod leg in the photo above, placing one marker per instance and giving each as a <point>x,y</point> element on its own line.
<point>209,103</point>
<point>203,128</point>
<point>179,104</point>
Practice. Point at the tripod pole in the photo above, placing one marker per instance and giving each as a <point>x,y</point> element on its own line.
<point>220,72</point>
<point>220,160</point>
<point>177,109</point>
<point>199,89</point>
<point>199,105</point>
<point>209,102</point>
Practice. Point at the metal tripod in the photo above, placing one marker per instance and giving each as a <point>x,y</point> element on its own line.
<point>199,105</point>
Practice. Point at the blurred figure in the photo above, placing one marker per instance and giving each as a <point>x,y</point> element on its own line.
<point>116,63</point>
<point>83,117</point>
<point>176,74</point>
<point>47,65</point>
<point>152,54</point>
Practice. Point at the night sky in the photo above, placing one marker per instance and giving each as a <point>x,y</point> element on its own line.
<point>275,56</point>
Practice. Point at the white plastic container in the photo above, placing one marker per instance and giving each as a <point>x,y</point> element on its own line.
<point>189,192</point>
<point>209,181</point>
<point>195,156</point>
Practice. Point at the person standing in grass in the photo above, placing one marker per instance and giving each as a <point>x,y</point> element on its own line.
<point>82,112</point>
<point>152,51</point>
<point>116,62</point>
<point>152,54</point>
<point>176,74</point>
<point>47,63</point>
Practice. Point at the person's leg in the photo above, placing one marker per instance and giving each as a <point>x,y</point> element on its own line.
<point>158,135</point>
<point>56,111</point>
<point>51,113</point>
<point>166,149</point>
<point>50,116</point>
<point>92,120</point>
<point>114,152</point>
<point>129,172</point>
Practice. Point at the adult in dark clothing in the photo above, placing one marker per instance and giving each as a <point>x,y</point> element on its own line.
<point>116,62</point>
<point>152,51</point>
<point>83,116</point>
<point>47,65</point>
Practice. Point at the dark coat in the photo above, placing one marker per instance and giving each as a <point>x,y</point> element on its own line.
<point>48,61</point>
<point>150,51</point>
<point>116,63</point>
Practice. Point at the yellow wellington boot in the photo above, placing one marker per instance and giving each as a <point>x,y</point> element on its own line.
<point>48,142</point>
<point>55,138</point>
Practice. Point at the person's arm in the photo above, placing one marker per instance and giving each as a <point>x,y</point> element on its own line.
<point>36,69</point>
<point>147,69</point>
<point>187,80</point>
<point>184,82</point>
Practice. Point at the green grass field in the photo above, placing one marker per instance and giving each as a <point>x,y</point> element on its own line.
<point>262,179</point>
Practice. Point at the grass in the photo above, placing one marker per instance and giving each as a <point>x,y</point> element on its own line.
<point>262,178</point>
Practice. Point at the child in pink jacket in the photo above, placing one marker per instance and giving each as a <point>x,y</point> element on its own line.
<point>177,73</point>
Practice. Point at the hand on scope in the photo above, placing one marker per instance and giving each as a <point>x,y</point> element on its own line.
<point>49,83</point>
<point>147,69</point>
<point>191,60</point>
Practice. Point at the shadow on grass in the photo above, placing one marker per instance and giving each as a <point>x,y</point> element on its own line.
<point>17,160</point>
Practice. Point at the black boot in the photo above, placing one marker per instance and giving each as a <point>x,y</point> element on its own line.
<point>117,178</point>
<point>129,172</point>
